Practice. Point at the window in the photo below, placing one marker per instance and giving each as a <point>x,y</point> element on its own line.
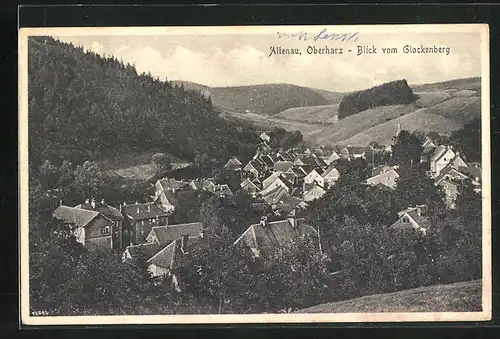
<point>406,219</point>
<point>105,230</point>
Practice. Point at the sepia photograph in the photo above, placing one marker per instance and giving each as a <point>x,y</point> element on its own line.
<point>254,174</point>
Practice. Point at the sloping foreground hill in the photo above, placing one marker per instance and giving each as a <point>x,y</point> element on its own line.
<point>266,99</point>
<point>458,297</point>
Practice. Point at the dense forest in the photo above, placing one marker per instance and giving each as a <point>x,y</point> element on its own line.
<point>83,105</point>
<point>391,93</point>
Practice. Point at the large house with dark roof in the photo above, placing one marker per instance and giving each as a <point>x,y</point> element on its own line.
<point>119,237</point>
<point>263,238</point>
<point>141,217</point>
<point>168,233</point>
<point>91,228</point>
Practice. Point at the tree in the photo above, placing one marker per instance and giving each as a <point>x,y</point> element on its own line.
<point>88,182</point>
<point>162,162</point>
<point>414,187</point>
<point>406,150</point>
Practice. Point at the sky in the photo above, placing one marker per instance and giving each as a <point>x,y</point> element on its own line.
<point>220,60</point>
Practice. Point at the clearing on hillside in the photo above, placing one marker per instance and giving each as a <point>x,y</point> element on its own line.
<point>459,109</point>
<point>458,297</point>
<point>416,121</point>
<point>311,114</point>
<point>360,122</point>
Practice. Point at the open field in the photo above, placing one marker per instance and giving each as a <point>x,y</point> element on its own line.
<point>360,122</point>
<point>419,120</point>
<point>458,297</point>
<point>134,166</point>
<point>311,114</point>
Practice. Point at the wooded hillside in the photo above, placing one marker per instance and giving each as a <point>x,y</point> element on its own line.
<point>80,102</point>
<point>391,93</point>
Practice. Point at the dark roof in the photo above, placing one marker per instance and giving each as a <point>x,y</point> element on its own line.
<point>76,216</point>
<point>474,172</point>
<point>283,165</point>
<point>149,249</point>
<point>106,210</point>
<point>141,211</point>
<point>165,257</point>
<point>274,195</point>
<point>273,235</point>
<point>268,161</point>
<point>319,162</point>
<point>449,172</point>
<point>288,203</point>
<point>298,172</point>
<point>420,220</point>
<point>285,156</point>
<point>168,233</point>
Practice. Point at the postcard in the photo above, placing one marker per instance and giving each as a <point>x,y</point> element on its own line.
<point>254,174</point>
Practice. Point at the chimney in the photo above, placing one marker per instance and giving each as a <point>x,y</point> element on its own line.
<point>87,201</point>
<point>138,210</point>
<point>102,201</point>
<point>149,208</point>
<point>60,202</point>
<point>92,203</point>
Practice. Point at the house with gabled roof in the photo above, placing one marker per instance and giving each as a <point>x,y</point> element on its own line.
<point>457,162</point>
<point>427,148</point>
<point>473,171</point>
<point>112,214</point>
<point>141,217</point>
<point>249,186</point>
<point>168,233</point>
<point>275,180</point>
<point>312,191</point>
<point>265,237</point>
<point>413,218</point>
<point>233,164</point>
<point>283,166</point>
<point>450,188</point>
<point>272,196</point>
<point>314,177</point>
<point>90,228</point>
<point>223,190</point>
<point>450,173</point>
<point>254,168</point>
<point>165,190</point>
<point>441,156</point>
<point>288,204</point>
<point>386,176</point>
<point>159,258</point>
<point>330,176</point>
<point>330,158</point>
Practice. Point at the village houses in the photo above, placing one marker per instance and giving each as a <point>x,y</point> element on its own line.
<point>412,218</point>
<point>94,225</point>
